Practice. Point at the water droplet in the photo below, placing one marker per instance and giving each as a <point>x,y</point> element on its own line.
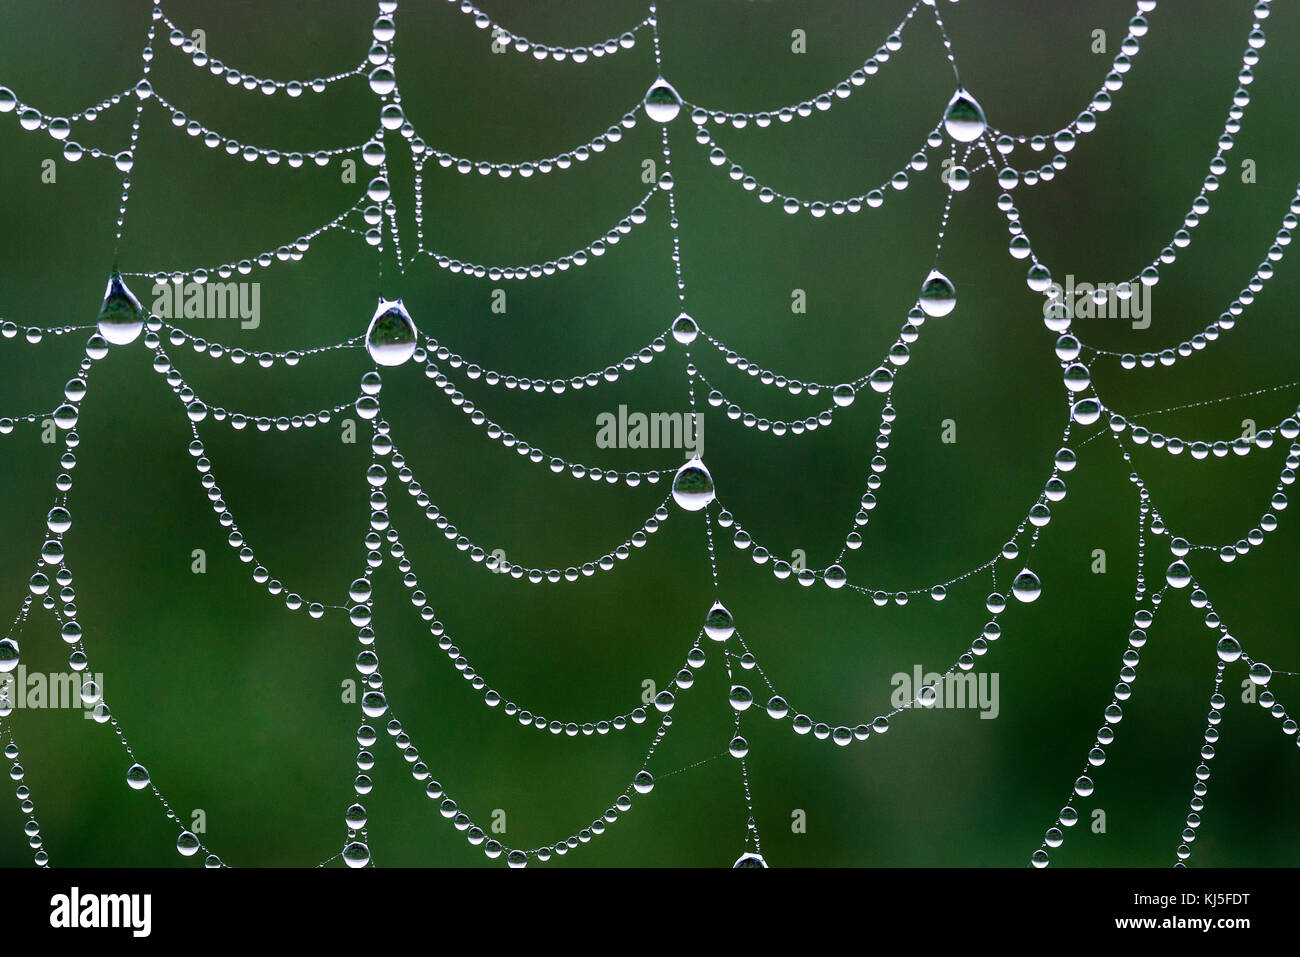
<point>836,576</point>
<point>1179,575</point>
<point>1229,649</point>
<point>685,329</point>
<point>938,298</point>
<point>1026,586</point>
<point>662,104</point>
<point>187,844</point>
<point>356,854</point>
<point>750,860</point>
<point>516,859</point>
<point>964,120</point>
<point>644,782</point>
<point>390,339</point>
<point>693,486</point>
<point>137,776</point>
<point>718,624</point>
<point>120,317</point>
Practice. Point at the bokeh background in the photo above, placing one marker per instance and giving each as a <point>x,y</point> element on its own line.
<point>233,702</point>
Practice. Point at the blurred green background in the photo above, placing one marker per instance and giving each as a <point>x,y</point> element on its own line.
<point>233,702</point>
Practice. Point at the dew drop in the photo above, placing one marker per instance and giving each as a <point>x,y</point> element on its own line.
<point>1026,586</point>
<point>964,120</point>
<point>718,624</point>
<point>1178,574</point>
<point>644,782</point>
<point>938,298</point>
<point>1229,649</point>
<point>120,317</point>
<point>356,854</point>
<point>685,329</point>
<point>693,486</point>
<point>390,339</point>
<point>662,104</point>
<point>750,860</point>
<point>137,776</point>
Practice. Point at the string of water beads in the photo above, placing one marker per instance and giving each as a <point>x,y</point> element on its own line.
<point>199,57</point>
<point>873,198</point>
<point>232,147</point>
<point>819,103</point>
<point>23,793</point>
<point>237,355</point>
<point>1177,576</point>
<point>1039,280</point>
<point>374,704</point>
<point>291,252</point>
<point>580,257</point>
<point>525,168</point>
<point>1200,449</point>
<point>591,380</point>
<point>58,522</point>
<point>541,51</point>
<point>536,455</point>
<point>492,561</point>
<point>492,698</point>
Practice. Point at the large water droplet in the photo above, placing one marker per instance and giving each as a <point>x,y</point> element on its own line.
<point>750,860</point>
<point>644,782</point>
<point>356,854</point>
<point>662,104</point>
<point>938,297</point>
<point>685,329</point>
<point>120,317</point>
<point>390,340</point>
<point>1026,586</point>
<point>137,776</point>
<point>718,624</point>
<point>693,486</point>
<point>1229,649</point>
<point>1178,574</point>
<point>964,120</point>
<point>187,844</point>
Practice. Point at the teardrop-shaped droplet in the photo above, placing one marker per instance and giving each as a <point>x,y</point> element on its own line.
<point>120,317</point>
<point>685,329</point>
<point>187,844</point>
<point>693,486</point>
<point>938,297</point>
<point>1229,649</point>
<point>137,776</point>
<point>750,860</point>
<point>964,120</point>
<point>390,340</point>
<point>1026,586</point>
<point>718,624</point>
<point>662,104</point>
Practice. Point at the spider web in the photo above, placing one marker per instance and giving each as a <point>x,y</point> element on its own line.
<point>725,652</point>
